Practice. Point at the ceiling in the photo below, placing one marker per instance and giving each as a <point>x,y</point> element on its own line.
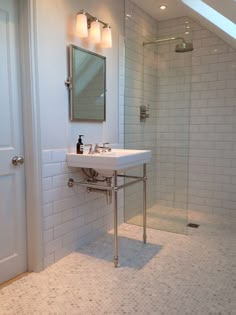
<point>175,8</point>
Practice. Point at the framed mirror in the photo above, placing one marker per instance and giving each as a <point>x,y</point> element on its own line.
<point>87,85</point>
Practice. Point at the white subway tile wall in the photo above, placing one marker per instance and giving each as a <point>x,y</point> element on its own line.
<point>192,128</point>
<point>72,217</point>
<point>212,149</point>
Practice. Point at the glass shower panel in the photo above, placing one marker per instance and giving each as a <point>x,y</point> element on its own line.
<point>158,77</point>
<point>173,106</point>
<point>140,90</point>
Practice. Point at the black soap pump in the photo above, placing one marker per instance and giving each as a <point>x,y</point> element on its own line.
<point>80,145</point>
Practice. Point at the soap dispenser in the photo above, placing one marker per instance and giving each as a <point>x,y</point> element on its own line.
<point>80,145</point>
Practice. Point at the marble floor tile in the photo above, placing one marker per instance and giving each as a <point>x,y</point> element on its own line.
<point>171,274</point>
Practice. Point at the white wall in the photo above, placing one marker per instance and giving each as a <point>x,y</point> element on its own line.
<point>73,217</point>
<point>55,31</point>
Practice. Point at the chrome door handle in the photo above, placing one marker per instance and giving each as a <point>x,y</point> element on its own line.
<point>17,160</point>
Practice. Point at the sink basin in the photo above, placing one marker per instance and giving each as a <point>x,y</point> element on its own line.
<point>116,160</point>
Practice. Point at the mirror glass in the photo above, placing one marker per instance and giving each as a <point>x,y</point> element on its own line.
<point>87,85</point>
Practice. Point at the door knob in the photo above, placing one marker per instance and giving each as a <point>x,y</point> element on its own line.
<point>17,160</point>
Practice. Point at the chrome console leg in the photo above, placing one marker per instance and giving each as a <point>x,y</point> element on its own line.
<point>144,203</point>
<point>115,220</point>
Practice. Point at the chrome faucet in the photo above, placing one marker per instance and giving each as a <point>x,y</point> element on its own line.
<point>98,148</point>
<point>103,148</point>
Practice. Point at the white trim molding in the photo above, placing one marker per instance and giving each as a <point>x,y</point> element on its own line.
<point>32,141</point>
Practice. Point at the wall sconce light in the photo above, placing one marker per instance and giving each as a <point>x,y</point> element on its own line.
<point>81,25</point>
<point>106,37</point>
<point>95,32</point>
<point>85,22</point>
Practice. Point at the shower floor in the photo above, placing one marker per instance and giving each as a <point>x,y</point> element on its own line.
<point>163,218</point>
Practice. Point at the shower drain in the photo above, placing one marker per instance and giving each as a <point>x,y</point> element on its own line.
<point>193,225</point>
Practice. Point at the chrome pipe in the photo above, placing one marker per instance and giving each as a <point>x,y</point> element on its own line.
<point>128,176</point>
<point>72,182</point>
<point>109,192</point>
<point>104,191</point>
<point>144,203</point>
<point>131,183</point>
<point>115,220</point>
<point>161,40</point>
<point>99,187</point>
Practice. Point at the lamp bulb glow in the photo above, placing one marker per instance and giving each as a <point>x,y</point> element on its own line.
<point>81,25</point>
<point>95,32</point>
<point>106,37</point>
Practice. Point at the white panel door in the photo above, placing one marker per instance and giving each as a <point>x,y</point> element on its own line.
<point>12,185</point>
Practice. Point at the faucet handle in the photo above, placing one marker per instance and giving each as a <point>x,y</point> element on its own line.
<point>96,148</point>
<point>90,148</point>
<point>102,148</point>
<point>105,145</point>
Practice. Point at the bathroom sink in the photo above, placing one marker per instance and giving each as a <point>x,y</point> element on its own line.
<point>116,160</point>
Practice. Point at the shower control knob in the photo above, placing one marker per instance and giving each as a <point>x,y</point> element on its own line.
<point>17,160</point>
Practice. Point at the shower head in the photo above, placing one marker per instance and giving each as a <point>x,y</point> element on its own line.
<point>183,47</point>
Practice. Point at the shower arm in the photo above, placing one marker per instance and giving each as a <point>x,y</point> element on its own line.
<point>164,40</point>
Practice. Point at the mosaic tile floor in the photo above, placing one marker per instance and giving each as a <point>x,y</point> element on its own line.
<point>172,274</point>
<point>164,218</point>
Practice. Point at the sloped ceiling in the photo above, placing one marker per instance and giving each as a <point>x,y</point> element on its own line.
<point>201,10</point>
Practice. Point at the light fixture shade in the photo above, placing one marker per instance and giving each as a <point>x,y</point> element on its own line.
<point>81,25</point>
<point>106,37</point>
<point>95,32</point>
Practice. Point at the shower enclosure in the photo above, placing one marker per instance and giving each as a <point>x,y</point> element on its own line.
<point>157,113</point>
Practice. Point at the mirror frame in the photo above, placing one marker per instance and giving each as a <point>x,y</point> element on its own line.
<point>70,83</point>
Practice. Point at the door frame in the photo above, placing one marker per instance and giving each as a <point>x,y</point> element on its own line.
<point>31,132</point>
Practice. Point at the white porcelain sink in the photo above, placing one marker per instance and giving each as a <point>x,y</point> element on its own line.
<point>116,160</point>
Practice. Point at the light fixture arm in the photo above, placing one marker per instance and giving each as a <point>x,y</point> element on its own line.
<point>92,18</point>
<point>85,21</point>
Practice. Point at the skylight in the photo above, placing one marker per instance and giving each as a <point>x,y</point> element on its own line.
<point>213,16</point>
